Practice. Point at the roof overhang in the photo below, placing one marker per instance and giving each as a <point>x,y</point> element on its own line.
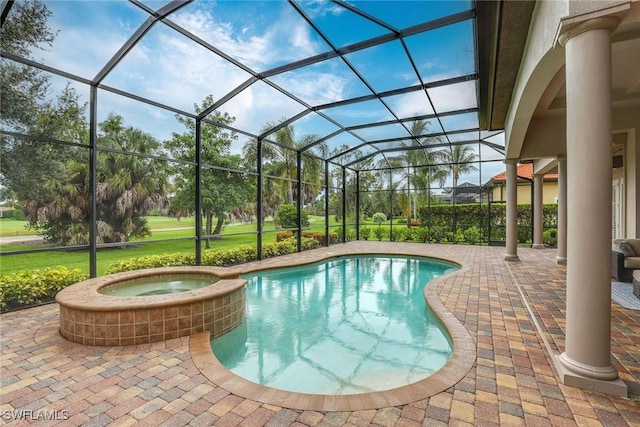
<point>503,27</point>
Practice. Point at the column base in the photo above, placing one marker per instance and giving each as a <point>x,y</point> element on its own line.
<point>603,380</point>
<point>561,260</point>
<point>538,246</point>
<point>510,257</point>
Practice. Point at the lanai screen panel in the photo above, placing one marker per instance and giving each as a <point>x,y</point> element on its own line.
<point>375,87</point>
<point>347,65</point>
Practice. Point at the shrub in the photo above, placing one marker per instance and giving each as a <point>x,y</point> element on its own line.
<point>308,244</point>
<point>524,233</point>
<point>231,256</point>
<point>313,235</point>
<point>401,234</point>
<point>153,261</point>
<point>421,234</point>
<point>35,286</point>
<point>350,234</point>
<point>550,237</point>
<point>365,233</point>
<point>409,233</point>
<point>438,233</point>
<point>223,258</point>
<point>472,235</point>
<point>283,235</point>
<point>288,246</point>
<point>287,217</point>
<point>379,218</point>
<point>379,233</point>
<point>39,286</point>
<point>270,250</point>
<point>16,214</point>
<point>498,233</point>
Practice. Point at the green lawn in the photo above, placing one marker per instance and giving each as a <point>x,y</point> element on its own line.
<point>106,257</point>
<point>164,228</point>
<point>12,227</point>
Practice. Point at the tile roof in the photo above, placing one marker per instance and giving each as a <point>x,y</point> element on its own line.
<point>524,170</point>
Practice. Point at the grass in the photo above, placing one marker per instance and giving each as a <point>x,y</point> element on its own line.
<point>12,227</point>
<point>106,257</point>
<point>164,228</point>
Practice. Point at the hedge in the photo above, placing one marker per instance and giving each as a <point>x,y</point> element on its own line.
<point>224,258</point>
<point>477,215</point>
<point>32,287</point>
<point>334,236</point>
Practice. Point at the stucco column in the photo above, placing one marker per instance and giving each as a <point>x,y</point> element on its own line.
<point>561,257</point>
<point>512,211</point>
<point>537,212</point>
<point>586,359</point>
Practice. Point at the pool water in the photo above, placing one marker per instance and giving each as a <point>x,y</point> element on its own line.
<point>344,326</point>
<point>157,285</point>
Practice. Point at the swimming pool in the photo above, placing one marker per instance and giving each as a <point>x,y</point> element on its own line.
<point>343,326</point>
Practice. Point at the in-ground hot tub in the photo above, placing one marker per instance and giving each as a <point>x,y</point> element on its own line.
<point>90,314</point>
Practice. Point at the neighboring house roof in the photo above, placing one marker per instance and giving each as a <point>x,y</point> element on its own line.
<point>524,170</point>
<point>467,188</point>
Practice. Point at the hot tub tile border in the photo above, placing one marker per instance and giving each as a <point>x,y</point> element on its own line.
<point>128,321</point>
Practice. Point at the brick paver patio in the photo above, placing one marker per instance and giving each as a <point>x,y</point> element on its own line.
<point>512,382</point>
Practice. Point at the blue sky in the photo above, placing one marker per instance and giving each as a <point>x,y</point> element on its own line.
<point>169,68</point>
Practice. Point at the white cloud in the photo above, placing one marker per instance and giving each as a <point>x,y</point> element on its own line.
<point>169,68</point>
<point>321,8</point>
<point>313,85</point>
<point>453,97</point>
<point>410,104</point>
<point>286,38</point>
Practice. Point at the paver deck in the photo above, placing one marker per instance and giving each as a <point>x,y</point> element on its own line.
<point>514,312</point>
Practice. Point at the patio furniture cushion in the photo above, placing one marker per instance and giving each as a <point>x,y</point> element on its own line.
<point>625,248</point>
<point>622,266</point>
<point>632,262</point>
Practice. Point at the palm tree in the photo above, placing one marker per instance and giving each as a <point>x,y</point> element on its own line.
<point>460,163</point>
<point>129,185</point>
<point>419,164</point>
<point>279,160</point>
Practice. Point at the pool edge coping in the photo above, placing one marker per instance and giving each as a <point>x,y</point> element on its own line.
<point>459,364</point>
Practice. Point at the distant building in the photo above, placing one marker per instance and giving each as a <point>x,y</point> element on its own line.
<point>4,209</point>
<point>466,193</point>
<point>496,186</point>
